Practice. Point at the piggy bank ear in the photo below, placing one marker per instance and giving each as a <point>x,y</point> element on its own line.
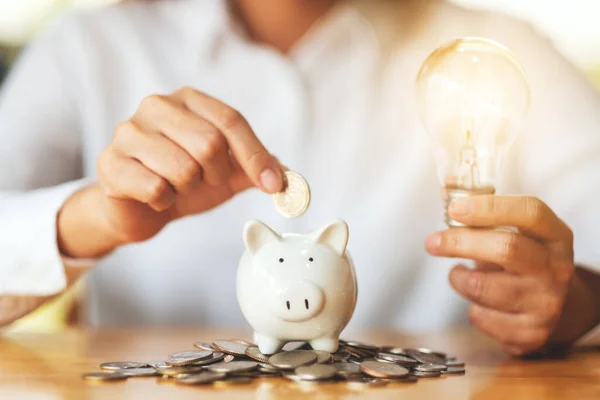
<point>257,234</point>
<point>334,235</point>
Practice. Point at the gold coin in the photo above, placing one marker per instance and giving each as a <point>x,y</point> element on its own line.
<point>295,198</point>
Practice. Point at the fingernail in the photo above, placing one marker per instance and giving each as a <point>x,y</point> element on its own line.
<point>433,241</point>
<point>460,206</point>
<point>271,180</point>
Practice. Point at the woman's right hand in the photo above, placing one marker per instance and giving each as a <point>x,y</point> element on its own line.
<point>178,155</point>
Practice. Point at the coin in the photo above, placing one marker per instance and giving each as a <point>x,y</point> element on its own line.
<point>104,376</point>
<point>216,357</point>
<point>429,351</point>
<point>454,370</point>
<point>139,372</point>
<point>173,371</point>
<point>455,363</point>
<point>295,198</point>
<point>383,370</point>
<point>347,369</point>
<point>425,358</point>
<point>191,358</point>
<point>316,372</point>
<point>232,347</point>
<point>233,366</point>
<point>204,346</point>
<point>156,364</point>
<point>254,353</point>
<point>193,353</point>
<point>397,358</point>
<point>293,359</point>
<point>289,346</point>
<point>341,356</point>
<point>235,380</point>
<point>115,365</point>
<point>360,345</point>
<point>430,368</point>
<point>201,379</point>
<point>421,374</point>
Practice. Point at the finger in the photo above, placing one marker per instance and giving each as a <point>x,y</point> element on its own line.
<point>529,214</point>
<point>514,330</point>
<point>160,155</point>
<point>486,266</point>
<point>493,289</point>
<point>514,251</point>
<point>126,178</point>
<point>259,165</point>
<point>199,138</point>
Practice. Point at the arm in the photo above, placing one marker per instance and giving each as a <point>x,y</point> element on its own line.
<point>40,151</point>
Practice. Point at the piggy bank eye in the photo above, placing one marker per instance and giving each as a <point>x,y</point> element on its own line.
<point>310,259</point>
<point>281,260</point>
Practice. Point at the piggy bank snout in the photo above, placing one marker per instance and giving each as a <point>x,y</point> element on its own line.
<point>299,301</point>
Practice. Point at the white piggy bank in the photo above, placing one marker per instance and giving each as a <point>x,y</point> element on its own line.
<point>295,287</point>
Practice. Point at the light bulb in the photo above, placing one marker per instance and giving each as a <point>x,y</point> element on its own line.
<point>473,97</point>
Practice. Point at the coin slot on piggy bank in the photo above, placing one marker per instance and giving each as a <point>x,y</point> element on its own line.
<point>296,287</point>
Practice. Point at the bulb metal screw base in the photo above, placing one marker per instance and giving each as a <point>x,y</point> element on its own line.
<point>452,192</point>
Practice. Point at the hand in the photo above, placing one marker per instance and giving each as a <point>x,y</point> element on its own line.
<point>522,278</point>
<point>178,155</point>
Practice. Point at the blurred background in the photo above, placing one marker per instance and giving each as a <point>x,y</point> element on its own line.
<point>573,25</point>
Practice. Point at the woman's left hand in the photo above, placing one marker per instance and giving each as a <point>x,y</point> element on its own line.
<point>520,285</point>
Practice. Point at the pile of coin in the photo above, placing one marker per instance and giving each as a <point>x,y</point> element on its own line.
<point>238,361</point>
<point>294,200</point>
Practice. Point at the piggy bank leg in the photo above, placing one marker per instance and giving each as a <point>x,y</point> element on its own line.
<point>327,344</point>
<point>266,344</point>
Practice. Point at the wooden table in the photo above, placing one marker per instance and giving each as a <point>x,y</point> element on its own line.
<point>37,366</point>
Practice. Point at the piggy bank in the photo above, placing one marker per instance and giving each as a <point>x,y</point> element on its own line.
<point>294,287</point>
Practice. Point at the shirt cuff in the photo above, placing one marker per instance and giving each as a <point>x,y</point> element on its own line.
<point>31,262</point>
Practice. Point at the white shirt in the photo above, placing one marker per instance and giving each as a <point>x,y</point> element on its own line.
<point>339,109</point>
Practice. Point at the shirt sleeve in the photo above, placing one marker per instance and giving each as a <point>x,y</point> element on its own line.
<point>558,153</point>
<point>40,167</point>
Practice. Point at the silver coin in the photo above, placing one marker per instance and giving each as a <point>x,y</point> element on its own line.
<point>295,197</point>
<point>233,366</point>
<point>455,363</point>
<point>346,369</point>
<point>139,372</point>
<point>291,346</point>
<point>322,356</point>
<point>291,376</point>
<point>383,370</point>
<point>268,366</point>
<point>191,358</point>
<point>425,358</point>
<point>430,368</point>
<point>362,381</point>
<point>379,359</point>
<point>233,347</point>
<point>316,372</point>
<point>397,358</point>
<point>255,354</point>
<point>204,346</point>
<point>454,371</point>
<point>293,359</point>
<point>341,356</point>
<point>203,378</point>
<point>421,374</point>
<point>395,350</point>
<point>228,358</point>
<point>359,345</point>
<point>156,364</point>
<point>216,357</point>
<point>434,352</point>
<point>117,365</point>
<point>202,354</point>
<point>104,376</point>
